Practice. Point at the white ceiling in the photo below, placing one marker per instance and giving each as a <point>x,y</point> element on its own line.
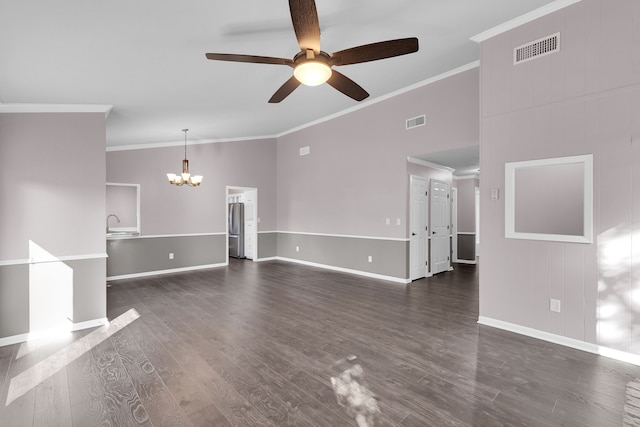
<point>146,58</point>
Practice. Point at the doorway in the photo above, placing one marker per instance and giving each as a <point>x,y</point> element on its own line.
<point>248,196</point>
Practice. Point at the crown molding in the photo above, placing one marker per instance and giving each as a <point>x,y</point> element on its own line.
<point>429,164</point>
<point>56,108</point>
<point>523,19</point>
<point>181,143</point>
<point>462,177</point>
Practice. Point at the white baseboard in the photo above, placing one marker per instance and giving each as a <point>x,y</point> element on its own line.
<point>169,271</point>
<point>71,327</point>
<point>14,339</point>
<point>559,339</point>
<point>347,270</point>
<point>272,258</point>
<point>90,324</point>
<point>464,261</point>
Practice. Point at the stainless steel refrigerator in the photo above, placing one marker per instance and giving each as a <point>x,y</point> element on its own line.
<point>236,230</point>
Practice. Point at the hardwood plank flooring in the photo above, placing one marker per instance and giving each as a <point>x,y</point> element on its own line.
<point>264,344</point>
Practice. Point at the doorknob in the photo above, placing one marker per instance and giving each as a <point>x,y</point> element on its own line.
<point>413,234</point>
<point>433,232</point>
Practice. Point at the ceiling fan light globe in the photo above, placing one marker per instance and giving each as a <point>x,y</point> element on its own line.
<point>312,73</point>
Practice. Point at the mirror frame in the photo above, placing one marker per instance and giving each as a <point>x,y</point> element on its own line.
<point>511,190</point>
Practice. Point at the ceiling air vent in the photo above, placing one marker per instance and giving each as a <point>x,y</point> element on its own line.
<point>416,121</point>
<point>536,49</point>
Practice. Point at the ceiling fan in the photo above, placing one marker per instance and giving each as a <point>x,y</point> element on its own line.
<point>312,66</point>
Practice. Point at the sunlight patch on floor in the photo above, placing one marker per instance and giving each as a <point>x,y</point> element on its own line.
<point>32,377</point>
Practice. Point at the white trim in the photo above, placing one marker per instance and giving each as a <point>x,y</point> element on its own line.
<point>509,199</point>
<point>56,108</point>
<point>169,271</point>
<point>137,227</point>
<point>20,338</point>
<point>90,324</point>
<point>52,259</point>
<point>14,339</point>
<point>347,270</point>
<point>461,177</point>
<point>259,232</point>
<point>523,19</point>
<point>466,232</point>
<point>429,164</point>
<point>394,239</point>
<point>181,143</point>
<point>565,341</point>
<point>271,258</point>
<point>159,236</point>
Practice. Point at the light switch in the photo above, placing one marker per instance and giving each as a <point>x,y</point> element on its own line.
<point>495,193</point>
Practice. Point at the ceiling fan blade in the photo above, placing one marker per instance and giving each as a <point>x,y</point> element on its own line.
<point>347,86</point>
<point>249,58</point>
<point>285,90</point>
<point>304,17</point>
<point>375,51</point>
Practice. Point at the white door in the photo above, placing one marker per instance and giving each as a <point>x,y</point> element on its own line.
<point>440,232</point>
<point>250,231</point>
<point>418,227</point>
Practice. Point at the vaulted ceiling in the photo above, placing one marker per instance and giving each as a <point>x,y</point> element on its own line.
<point>147,58</point>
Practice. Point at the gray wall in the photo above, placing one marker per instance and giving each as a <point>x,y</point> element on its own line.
<point>466,247</point>
<point>267,244</point>
<point>583,99</point>
<point>131,256</point>
<point>389,257</point>
<point>58,204</point>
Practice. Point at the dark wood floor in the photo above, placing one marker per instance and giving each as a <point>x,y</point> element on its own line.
<point>257,344</point>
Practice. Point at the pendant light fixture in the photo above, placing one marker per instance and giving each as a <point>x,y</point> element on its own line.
<point>185,177</point>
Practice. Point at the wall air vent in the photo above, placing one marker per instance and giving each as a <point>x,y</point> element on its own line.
<point>416,121</point>
<point>536,49</point>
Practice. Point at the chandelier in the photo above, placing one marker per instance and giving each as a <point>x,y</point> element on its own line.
<point>185,177</point>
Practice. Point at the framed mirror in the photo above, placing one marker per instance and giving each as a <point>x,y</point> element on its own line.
<point>550,199</point>
<point>123,208</point>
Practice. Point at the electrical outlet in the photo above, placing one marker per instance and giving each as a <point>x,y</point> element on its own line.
<point>370,259</point>
<point>397,221</point>
<point>170,255</point>
<point>388,221</point>
<point>297,248</point>
<point>554,305</point>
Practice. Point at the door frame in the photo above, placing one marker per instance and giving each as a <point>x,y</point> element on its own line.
<point>231,190</point>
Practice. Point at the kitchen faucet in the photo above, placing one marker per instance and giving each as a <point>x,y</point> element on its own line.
<point>109,216</point>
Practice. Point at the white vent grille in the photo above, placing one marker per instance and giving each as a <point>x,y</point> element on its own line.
<point>536,49</point>
<point>416,121</point>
